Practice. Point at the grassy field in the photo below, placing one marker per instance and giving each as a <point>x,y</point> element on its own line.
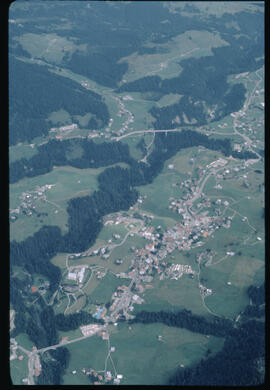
<point>68,182</point>
<point>169,99</point>
<point>164,222</point>
<point>108,231</point>
<point>24,341</point>
<point>229,300</point>
<point>165,64</point>
<point>173,295</point>
<point>77,306</point>
<point>249,201</point>
<point>83,119</point>
<point>227,120</point>
<point>60,117</point>
<point>239,269</point>
<point>21,150</point>
<point>103,292</point>
<point>60,306</point>
<point>50,47</point>
<point>87,353</point>
<point>123,251</point>
<point>26,226</point>
<point>223,240</point>
<point>139,108</point>
<point>144,360</point>
<point>158,194</point>
<point>132,142</point>
<point>71,334</point>
<point>18,369</point>
<point>183,257</point>
<point>90,286</point>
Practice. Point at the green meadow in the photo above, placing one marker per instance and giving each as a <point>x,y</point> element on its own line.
<point>88,353</point>
<point>144,360</point>
<point>18,369</point>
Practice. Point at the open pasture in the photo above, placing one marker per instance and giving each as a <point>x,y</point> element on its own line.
<point>132,142</point>
<point>71,334</point>
<point>159,192</point>
<point>103,292</point>
<point>27,225</point>
<point>88,353</point>
<point>83,119</point>
<point>252,209</point>
<point>123,251</point>
<point>50,47</point>
<point>164,222</point>
<point>173,295</point>
<point>60,304</point>
<point>229,300</point>
<point>108,231</point>
<point>139,108</point>
<point>71,182</point>
<point>232,189</point>
<point>90,285</point>
<point>68,182</point>
<point>24,341</point>
<point>247,201</point>
<point>183,257</point>
<point>169,99</point>
<point>142,359</point>
<point>60,117</point>
<point>21,150</point>
<point>18,369</point>
<point>78,305</point>
<point>165,63</point>
<point>232,239</point>
<point>225,125</point>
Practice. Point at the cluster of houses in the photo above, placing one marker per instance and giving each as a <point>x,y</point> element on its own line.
<point>204,291</point>
<point>102,377</point>
<point>27,205</point>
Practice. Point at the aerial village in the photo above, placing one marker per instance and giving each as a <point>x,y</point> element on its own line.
<point>195,225</point>
<point>199,217</point>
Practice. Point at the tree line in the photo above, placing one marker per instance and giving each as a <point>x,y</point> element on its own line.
<point>204,80</point>
<point>35,93</point>
<point>215,326</point>
<point>54,364</point>
<point>74,321</point>
<point>235,365</point>
<point>59,153</point>
<point>256,308</point>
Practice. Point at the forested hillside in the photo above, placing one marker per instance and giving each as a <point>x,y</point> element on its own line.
<point>35,93</point>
